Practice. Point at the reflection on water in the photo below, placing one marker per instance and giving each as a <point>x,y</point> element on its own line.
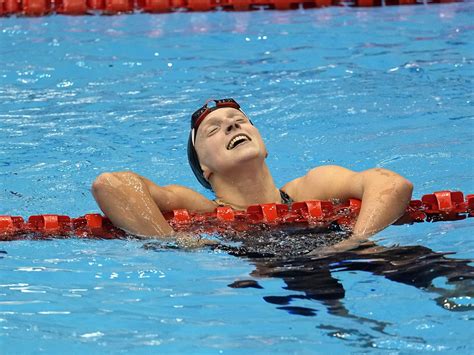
<point>283,256</point>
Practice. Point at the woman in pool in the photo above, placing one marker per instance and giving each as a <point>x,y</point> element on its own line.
<point>227,154</point>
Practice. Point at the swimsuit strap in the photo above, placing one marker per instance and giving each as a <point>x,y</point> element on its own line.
<point>285,198</point>
<point>220,203</point>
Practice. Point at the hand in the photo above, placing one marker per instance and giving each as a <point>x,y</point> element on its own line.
<point>363,246</point>
<point>345,245</point>
<point>191,241</point>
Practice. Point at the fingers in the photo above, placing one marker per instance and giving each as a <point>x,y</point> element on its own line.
<point>191,241</point>
<point>344,246</point>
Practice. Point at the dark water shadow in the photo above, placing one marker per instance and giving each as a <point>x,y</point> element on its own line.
<point>285,256</point>
<point>313,278</point>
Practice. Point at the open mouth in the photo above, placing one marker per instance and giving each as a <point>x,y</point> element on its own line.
<point>237,140</point>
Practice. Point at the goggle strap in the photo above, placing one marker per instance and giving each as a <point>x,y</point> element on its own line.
<point>208,110</point>
<point>192,136</point>
<point>202,116</point>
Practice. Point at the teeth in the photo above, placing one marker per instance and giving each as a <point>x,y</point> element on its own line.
<point>235,139</point>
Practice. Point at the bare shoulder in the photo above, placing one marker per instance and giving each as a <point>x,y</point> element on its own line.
<point>318,183</point>
<point>190,199</point>
<point>327,172</point>
<point>172,197</point>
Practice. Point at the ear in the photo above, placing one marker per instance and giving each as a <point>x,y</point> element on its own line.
<point>206,172</point>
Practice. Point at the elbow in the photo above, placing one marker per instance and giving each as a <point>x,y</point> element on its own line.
<point>404,188</point>
<point>408,185</point>
<point>102,182</point>
<point>400,187</point>
<point>389,178</point>
<point>113,181</point>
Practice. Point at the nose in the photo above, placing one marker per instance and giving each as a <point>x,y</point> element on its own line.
<point>232,125</point>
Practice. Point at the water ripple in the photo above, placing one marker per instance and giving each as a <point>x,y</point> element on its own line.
<point>83,95</point>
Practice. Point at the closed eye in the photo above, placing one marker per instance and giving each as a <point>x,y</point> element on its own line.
<point>212,130</point>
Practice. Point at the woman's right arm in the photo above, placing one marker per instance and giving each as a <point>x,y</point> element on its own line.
<point>135,204</point>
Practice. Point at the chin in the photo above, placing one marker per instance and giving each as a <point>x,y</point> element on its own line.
<point>247,156</point>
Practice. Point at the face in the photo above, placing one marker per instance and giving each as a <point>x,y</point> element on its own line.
<point>225,139</point>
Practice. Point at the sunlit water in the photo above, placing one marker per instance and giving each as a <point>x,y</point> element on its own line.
<point>388,87</point>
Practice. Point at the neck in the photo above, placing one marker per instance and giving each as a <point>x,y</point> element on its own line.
<point>251,184</point>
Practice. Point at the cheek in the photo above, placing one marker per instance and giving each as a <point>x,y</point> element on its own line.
<point>259,139</point>
<point>206,150</point>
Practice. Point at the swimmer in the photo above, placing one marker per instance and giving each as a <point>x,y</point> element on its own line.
<point>227,154</point>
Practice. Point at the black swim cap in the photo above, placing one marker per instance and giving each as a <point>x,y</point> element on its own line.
<point>195,165</point>
<point>196,119</point>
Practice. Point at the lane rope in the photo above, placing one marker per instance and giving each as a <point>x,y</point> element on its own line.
<point>438,206</point>
<point>115,7</point>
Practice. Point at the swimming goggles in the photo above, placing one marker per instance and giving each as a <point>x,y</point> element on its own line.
<point>200,114</point>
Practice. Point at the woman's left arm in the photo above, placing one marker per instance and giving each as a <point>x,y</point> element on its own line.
<point>384,194</point>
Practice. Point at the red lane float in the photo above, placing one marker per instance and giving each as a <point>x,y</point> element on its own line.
<point>72,7</point>
<point>111,7</point>
<point>439,206</point>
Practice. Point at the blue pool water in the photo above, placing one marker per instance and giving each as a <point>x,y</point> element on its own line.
<point>388,87</point>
